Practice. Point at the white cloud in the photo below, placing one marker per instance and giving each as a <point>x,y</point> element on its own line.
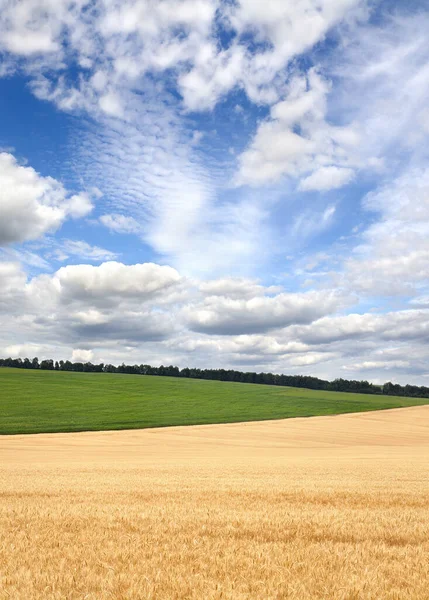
<point>138,313</point>
<point>21,350</point>
<point>311,222</point>
<point>422,301</point>
<point>103,284</point>
<point>285,24</point>
<point>79,355</point>
<point>379,103</point>
<point>214,74</point>
<point>283,30</point>
<point>79,205</point>
<point>111,104</point>
<point>83,305</point>
<point>67,248</point>
<point>120,44</point>
<point>32,27</point>
<point>297,140</point>
<point>310,358</point>
<point>11,276</point>
<point>236,288</point>
<point>32,205</point>
<point>121,223</point>
<point>371,365</point>
<point>383,76</point>
<point>12,284</point>
<point>162,191</point>
<point>326,178</point>
<point>239,346</point>
<point>36,42</point>
<point>154,177</point>
<point>229,316</point>
<point>24,257</point>
<point>399,325</point>
<point>393,257</point>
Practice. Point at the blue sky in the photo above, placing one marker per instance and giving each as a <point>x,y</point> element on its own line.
<point>216,183</point>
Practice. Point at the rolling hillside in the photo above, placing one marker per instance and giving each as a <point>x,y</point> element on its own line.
<point>48,401</point>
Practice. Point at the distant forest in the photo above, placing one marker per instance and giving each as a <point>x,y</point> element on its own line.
<point>299,381</point>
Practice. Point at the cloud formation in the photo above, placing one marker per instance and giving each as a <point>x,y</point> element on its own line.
<point>153,315</point>
<point>223,315</point>
<point>260,149</point>
<point>393,257</point>
<point>32,205</point>
<point>116,44</point>
<point>297,140</point>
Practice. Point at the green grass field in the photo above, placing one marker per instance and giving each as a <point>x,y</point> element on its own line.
<point>49,401</point>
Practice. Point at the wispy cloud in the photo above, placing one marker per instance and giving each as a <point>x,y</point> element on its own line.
<point>78,249</point>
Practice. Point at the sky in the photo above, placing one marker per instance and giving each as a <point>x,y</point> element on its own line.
<point>217,183</point>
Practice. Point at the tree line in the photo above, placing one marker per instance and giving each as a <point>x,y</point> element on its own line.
<point>299,381</point>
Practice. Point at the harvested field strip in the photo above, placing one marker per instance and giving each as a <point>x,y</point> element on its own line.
<point>321,508</point>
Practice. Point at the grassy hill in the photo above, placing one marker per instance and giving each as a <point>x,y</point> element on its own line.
<point>50,401</point>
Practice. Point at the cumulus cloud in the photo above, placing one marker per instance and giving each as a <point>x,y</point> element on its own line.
<point>31,205</point>
<point>239,346</point>
<point>229,316</point>
<point>120,44</point>
<point>399,325</point>
<point>379,102</point>
<point>79,205</point>
<point>79,355</point>
<point>11,276</point>
<point>131,326</point>
<point>140,313</point>
<point>367,345</point>
<point>32,27</point>
<point>282,30</point>
<point>90,305</point>
<point>111,280</point>
<point>236,287</point>
<point>297,140</point>
<point>289,28</point>
<point>12,283</point>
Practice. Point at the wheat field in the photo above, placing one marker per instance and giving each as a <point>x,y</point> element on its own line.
<point>331,508</point>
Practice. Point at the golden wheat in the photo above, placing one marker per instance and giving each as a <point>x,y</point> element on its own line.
<point>331,508</point>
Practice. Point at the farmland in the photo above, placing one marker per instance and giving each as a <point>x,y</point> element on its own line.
<point>298,509</point>
<point>48,401</point>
